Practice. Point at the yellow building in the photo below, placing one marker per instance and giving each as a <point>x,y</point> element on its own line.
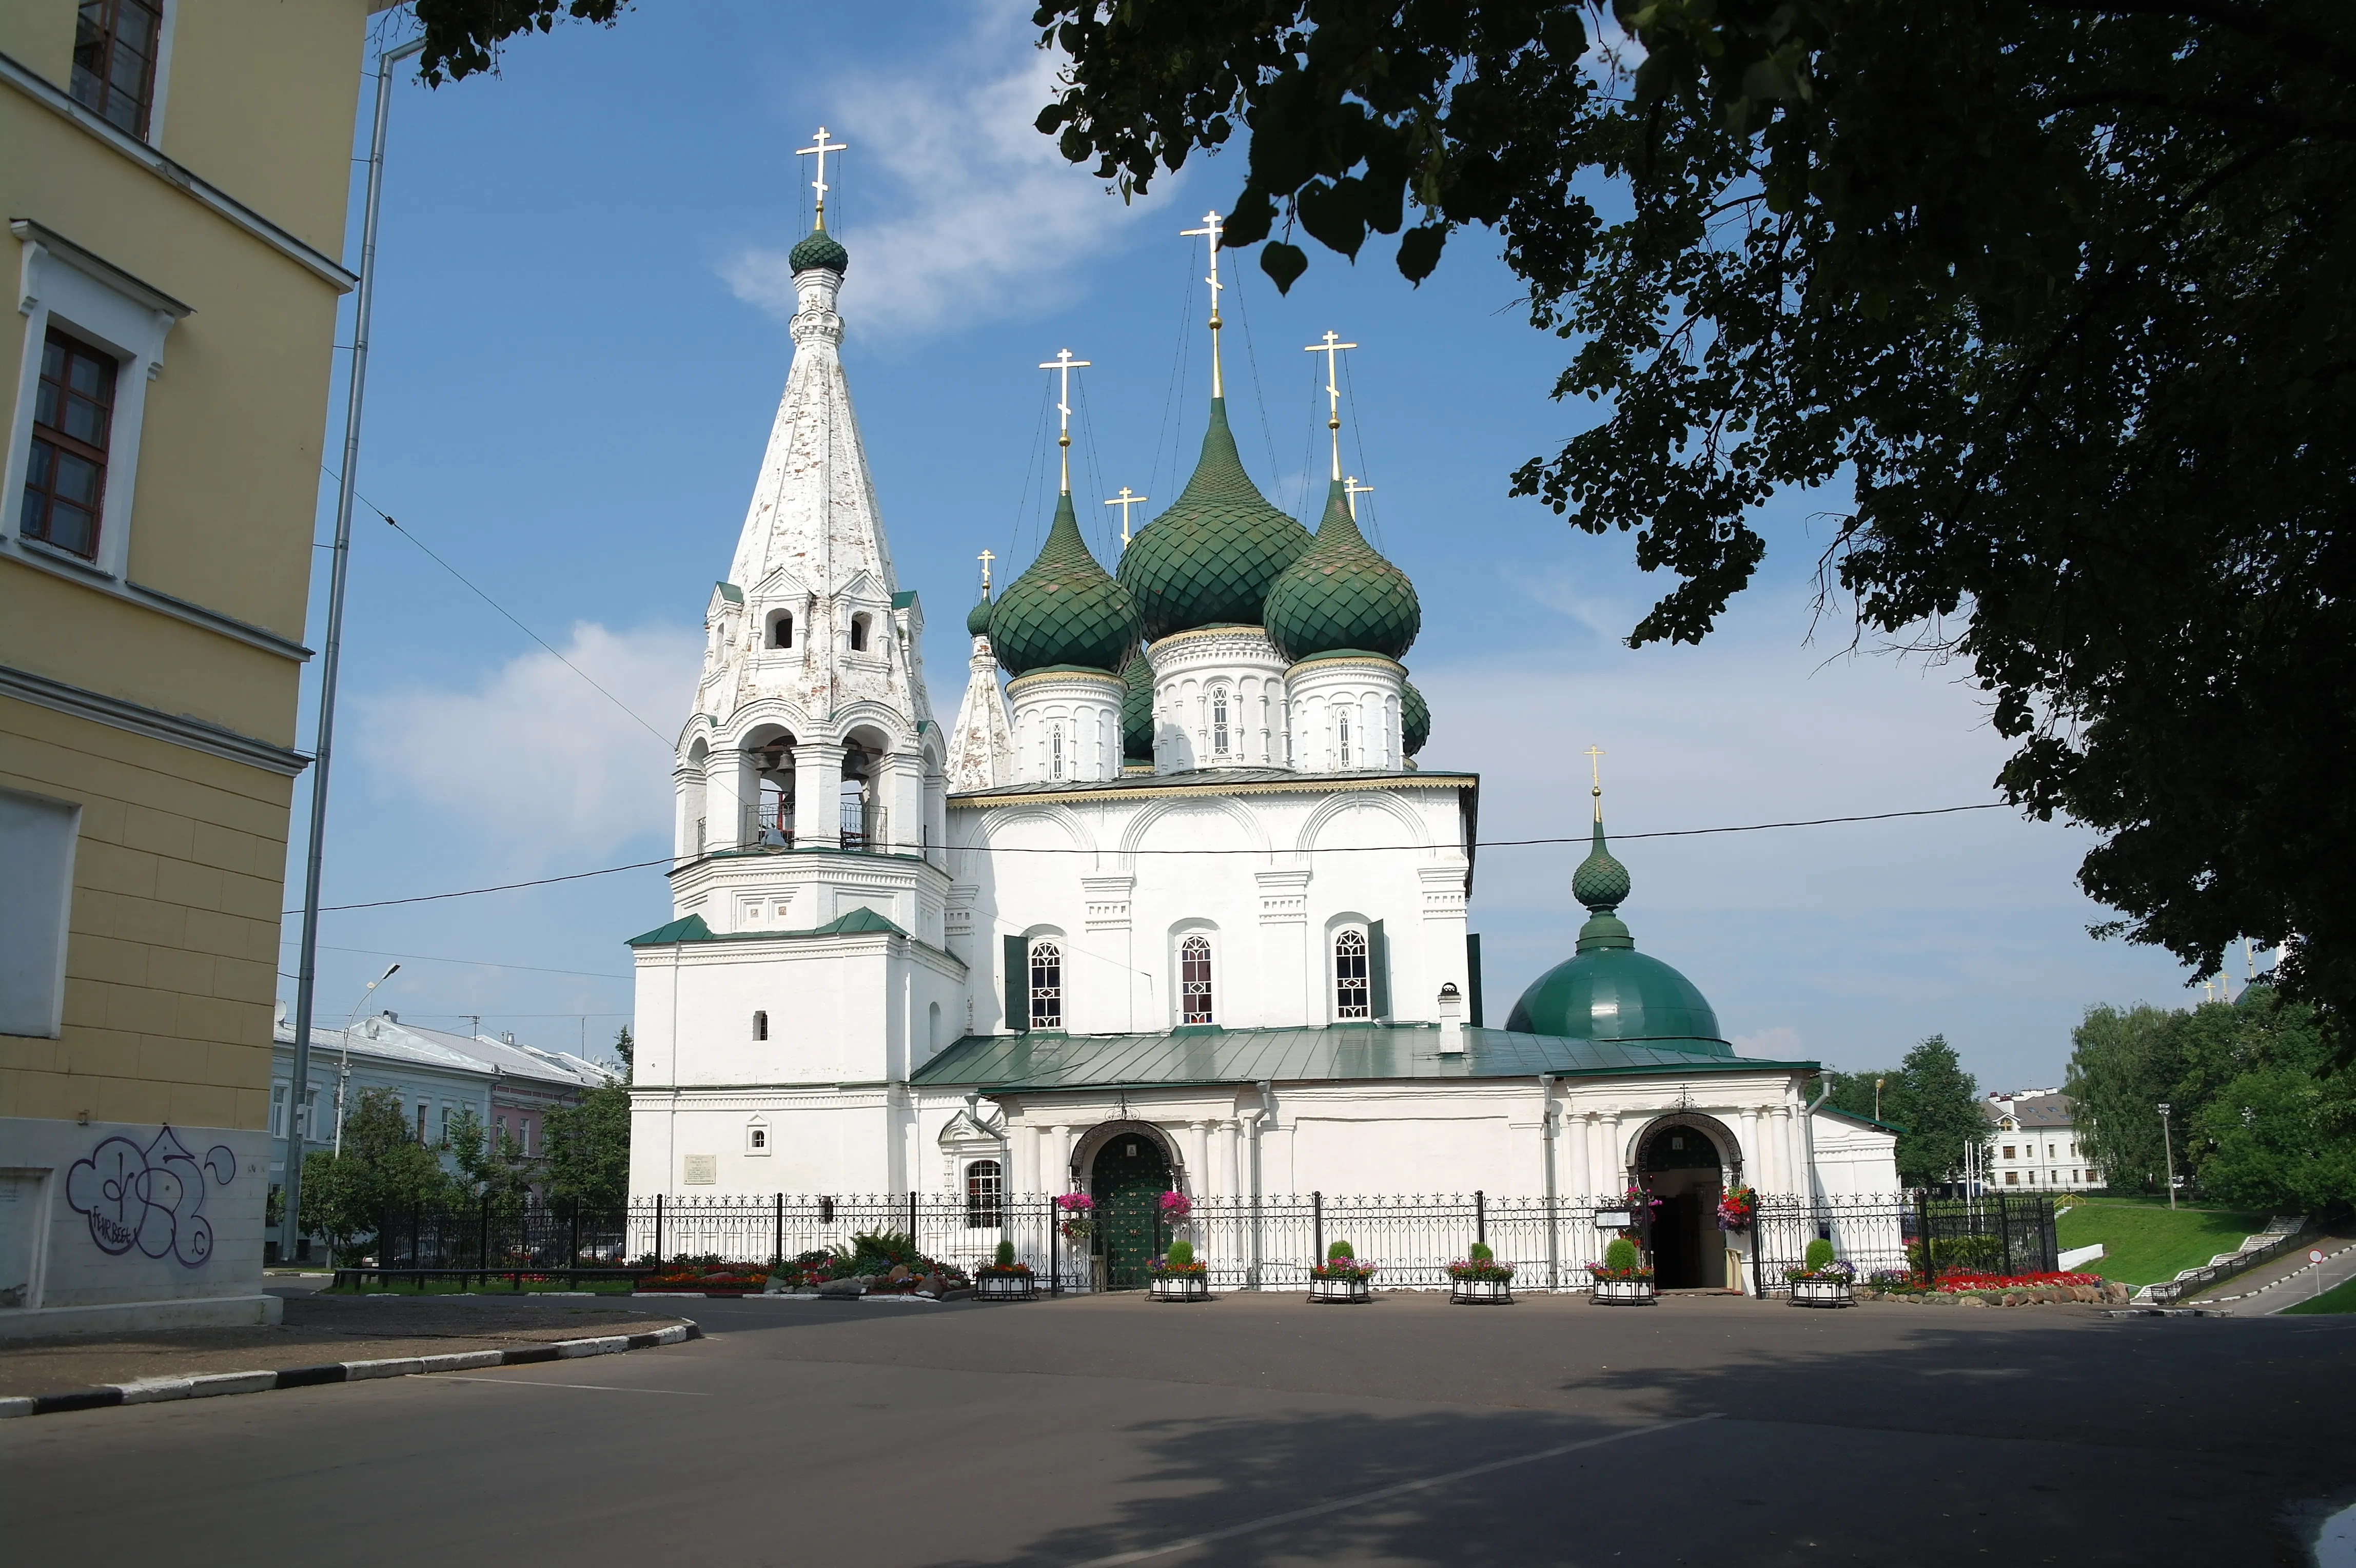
<point>174,177</point>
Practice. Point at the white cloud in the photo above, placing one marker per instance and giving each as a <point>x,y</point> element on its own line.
<point>988,218</point>
<point>535,758</point>
<point>1779,1044</point>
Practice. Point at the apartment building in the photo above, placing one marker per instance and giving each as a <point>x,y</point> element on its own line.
<point>2033,1142</point>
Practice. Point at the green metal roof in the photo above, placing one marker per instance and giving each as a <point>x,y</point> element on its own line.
<point>976,620</point>
<point>1212,557</point>
<point>1064,609</point>
<point>820,250</point>
<point>1337,1052</point>
<point>1342,595</point>
<point>858,922</point>
<point>1136,707</point>
<point>904,598</point>
<point>731,592</point>
<point>1415,719</point>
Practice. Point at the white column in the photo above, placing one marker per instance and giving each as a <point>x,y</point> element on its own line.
<point>1057,1177</point>
<point>1795,1150</point>
<point>818,794</point>
<point>1754,1161</point>
<point>728,788</point>
<point>1779,1148</point>
<point>1578,1173</point>
<point>1615,1161</point>
<point>900,790</point>
<point>1231,1182</point>
<point>1198,1157</point>
<point>1026,1159</point>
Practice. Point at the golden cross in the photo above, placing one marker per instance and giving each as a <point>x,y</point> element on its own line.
<point>1126,501</point>
<point>986,558</point>
<point>820,147</point>
<point>1064,363</point>
<point>1211,228</point>
<point>1595,762</point>
<point>1330,347</point>
<point>1352,489</point>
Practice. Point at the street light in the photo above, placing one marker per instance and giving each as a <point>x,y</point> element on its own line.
<point>2168,1152</point>
<point>344,1074</point>
<point>1877,1099</point>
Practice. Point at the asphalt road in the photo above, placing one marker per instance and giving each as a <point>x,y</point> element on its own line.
<point>1259,1431</point>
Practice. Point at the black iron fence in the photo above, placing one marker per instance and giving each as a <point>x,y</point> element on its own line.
<point>1269,1242</point>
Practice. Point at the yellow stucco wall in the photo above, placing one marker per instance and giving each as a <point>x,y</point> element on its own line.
<point>178,873</point>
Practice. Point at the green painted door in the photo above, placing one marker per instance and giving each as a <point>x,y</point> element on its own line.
<point>1129,1178</point>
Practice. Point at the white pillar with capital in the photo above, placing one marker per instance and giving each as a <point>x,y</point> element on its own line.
<point>817,795</point>
<point>1026,1159</point>
<point>1231,1182</point>
<point>1577,1165</point>
<point>1198,1158</point>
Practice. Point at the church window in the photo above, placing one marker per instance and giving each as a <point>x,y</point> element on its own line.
<point>781,629</point>
<point>760,1026</point>
<point>1343,729</point>
<point>985,1190</point>
<point>1195,998</point>
<point>1055,752</point>
<point>1353,994</point>
<point>859,634</point>
<point>1046,985</point>
<point>1219,721</point>
<point>65,473</point>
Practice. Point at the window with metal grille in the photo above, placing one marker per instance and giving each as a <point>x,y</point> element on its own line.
<point>65,470</point>
<point>985,1190</point>
<point>1353,994</point>
<point>114,59</point>
<point>1343,729</point>
<point>1046,985</point>
<point>760,1026</point>
<point>1196,1000</point>
<point>1219,720</point>
<point>1055,752</point>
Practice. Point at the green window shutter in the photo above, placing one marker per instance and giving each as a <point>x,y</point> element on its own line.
<point>1018,986</point>
<point>1378,968</point>
<point>1472,975</point>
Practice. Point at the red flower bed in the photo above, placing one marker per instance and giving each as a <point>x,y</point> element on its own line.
<point>2012,1281</point>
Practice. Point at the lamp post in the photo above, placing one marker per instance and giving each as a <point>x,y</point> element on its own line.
<point>344,1072</point>
<point>1877,1099</point>
<point>2168,1152</point>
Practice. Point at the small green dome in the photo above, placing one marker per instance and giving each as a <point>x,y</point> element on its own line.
<point>1211,558</point>
<point>820,250</point>
<point>1415,719</point>
<point>1342,595</point>
<point>1063,610</point>
<point>1136,708</point>
<point>1609,991</point>
<point>976,620</point>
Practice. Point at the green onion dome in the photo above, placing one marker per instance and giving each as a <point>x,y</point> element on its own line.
<point>1063,610</point>
<point>1609,991</point>
<point>1342,595</point>
<point>976,620</point>
<point>820,250</point>
<point>1415,719</point>
<point>1211,558</point>
<point>1136,708</point>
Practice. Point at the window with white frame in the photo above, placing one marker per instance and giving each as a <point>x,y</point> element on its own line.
<point>985,1195</point>
<point>37,846</point>
<point>756,1138</point>
<point>116,44</point>
<point>1197,998</point>
<point>1046,985</point>
<point>278,1110</point>
<point>1354,991</point>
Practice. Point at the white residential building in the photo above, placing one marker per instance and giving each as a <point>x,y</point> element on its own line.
<point>2033,1142</point>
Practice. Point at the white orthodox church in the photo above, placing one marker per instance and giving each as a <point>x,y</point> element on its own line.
<point>1174,904</point>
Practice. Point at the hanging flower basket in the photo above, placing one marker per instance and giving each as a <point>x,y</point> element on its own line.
<point>1075,1215</point>
<point>1737,1208</point>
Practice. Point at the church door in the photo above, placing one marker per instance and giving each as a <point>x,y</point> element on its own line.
<point>1130,1175</point>
<point>1677,1242</point>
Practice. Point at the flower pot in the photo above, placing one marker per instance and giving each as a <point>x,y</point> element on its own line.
<point>1623,1292</point>
<point>1004,1287</point>
<point>1339,1290</point>
<point>1498,1293</point>
<point>1181,1287</point>
<point>1823,1293</point>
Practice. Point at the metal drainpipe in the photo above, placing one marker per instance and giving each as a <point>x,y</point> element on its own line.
<point>1260,1118</point>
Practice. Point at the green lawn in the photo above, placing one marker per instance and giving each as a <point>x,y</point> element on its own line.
<point>2145,1241</point>
<point>2341,1298</point>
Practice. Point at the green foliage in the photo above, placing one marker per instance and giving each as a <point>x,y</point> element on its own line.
<point>1004,1257</point>
<point>877,1252</point>
<point>491,1164</point>
<point>462,36</point>
<point>1180,1255</point>
<point>2341,1298</point>
<point>2123,1065</point>
<point>381,1167</point>
<point>1621,1253</point>
<point>2056,292</point>
<point>1930,1099</point>
<point>1340,1250</point>
<point>2145,1241</point>
<point>1820,1255</point>
<point>588,1147</point>
<point>1480,1253</point>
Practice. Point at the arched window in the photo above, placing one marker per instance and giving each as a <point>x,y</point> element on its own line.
<point>781,629</point>
<point>1195,999</point>
<point>1341,728</point>
<point>1055,751</point>
<point>1218,721</point>
<point>859,634</point>
<point>985,1190</point>
<point>1046,985</point>
<point>1354,993</point>
<point>761,1026</point>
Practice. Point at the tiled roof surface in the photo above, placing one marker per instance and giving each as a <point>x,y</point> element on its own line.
<point>1211,558</point>
<point>1342,595</point>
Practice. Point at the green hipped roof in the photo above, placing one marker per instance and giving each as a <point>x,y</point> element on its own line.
<point>858,922</point>
<point>1211,558</point>
<point>976,620</point>
<point>820,250</point>
<point>1415,719</point>
<point>1607,990</point>
<point>1342,595</point>
<point>1136,707</point>
<point>1064,609</point>
<point>1335,1052</point>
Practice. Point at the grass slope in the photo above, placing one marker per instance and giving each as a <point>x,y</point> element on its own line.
<point>2341,1298</point>
<point>2145,1241</point>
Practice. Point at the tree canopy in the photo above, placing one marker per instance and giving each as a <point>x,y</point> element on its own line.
<point>2056,287</point>
<point>463,37</point>
<point>1933,1101</point>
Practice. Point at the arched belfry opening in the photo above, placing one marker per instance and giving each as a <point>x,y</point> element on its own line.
<point>1687,1161</point>
<point>769,813</point>
<point>861,807</point>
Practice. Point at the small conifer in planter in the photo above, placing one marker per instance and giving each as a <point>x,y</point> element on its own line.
<point>1623,1278</point>
<point>1342,1276</point>
<point>1002,1278</point>
<point>1479,1277</point>
<point>1822,1280</point>
<point>1179,1275</point>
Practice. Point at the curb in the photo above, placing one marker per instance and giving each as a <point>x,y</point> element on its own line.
<point>152,1390</point>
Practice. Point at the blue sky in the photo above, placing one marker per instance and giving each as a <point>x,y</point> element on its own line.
<point>578,348</point>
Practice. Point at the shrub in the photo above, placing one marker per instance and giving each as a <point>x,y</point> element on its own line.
<point>1181,1254</point>
<point>1340,1250</point>
<point>1004,1258</point>
<point>1621,1253</point>
<point>1820,1254</point>
<point>1481,1253</point>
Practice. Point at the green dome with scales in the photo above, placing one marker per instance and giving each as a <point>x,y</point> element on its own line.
<point>1211,558</point>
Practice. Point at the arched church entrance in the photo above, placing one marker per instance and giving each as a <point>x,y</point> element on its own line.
<point>1126,1178</point>
<point>1682,1164</point>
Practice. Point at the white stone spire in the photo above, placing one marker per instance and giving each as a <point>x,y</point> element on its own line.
<point>981,747</point>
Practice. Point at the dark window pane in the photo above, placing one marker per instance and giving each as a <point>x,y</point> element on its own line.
<point>83,378</point>
<point>77,480</point>
<point>53,359</point>
<point>70,528</point>
<point>37,470</point>
<point>45,405</point>
<point>85,421</point>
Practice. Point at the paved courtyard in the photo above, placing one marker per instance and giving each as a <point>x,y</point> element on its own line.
<point>1260,1431</point>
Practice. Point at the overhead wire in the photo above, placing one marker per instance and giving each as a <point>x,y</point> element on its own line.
<point>477,963</point>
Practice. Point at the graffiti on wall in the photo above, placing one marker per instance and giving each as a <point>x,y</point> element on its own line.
<point>151,1199</point>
